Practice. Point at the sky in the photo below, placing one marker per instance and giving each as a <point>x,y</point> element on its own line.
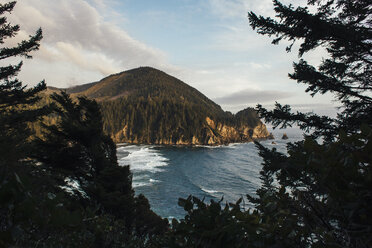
<point>208,44</point>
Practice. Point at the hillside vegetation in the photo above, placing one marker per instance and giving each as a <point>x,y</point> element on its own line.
<point>145,105</point>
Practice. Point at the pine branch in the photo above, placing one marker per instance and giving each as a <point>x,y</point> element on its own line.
<point>23,48</point>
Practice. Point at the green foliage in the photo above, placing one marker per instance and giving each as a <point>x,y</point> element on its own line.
<point>319,193</point>
<point>325,187</point>
<point>158,119</point>
<point>76,142</point>
<point>13,96</point>
<point>343,28</point>
<point>35,209</point>
<point>213,226</point>
<point>145,105</point>
<point>76,148</point>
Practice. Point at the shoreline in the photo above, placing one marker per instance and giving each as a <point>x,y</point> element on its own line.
<point>193,145</point>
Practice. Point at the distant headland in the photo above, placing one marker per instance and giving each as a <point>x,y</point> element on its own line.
<point>148,106</point>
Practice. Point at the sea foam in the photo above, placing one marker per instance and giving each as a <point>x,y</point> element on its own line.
<point>143,158</point>
<point>143,161</point>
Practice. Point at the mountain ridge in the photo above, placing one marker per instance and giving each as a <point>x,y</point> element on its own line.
<point>147,106</point>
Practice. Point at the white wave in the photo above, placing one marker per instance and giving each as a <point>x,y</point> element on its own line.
<point>142,181</point>
<point>233,145</point>
<point>143,158</point>
<point>209,147</point>
<point>209,191</point>
<point>154,180</point>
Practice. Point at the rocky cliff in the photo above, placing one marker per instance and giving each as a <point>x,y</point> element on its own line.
<point>215,134</point>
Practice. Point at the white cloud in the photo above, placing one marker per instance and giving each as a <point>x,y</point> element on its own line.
<point>255,96</point>
<point>240,8</point>
<point>77,34</point>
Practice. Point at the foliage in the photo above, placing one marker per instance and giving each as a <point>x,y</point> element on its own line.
<point>16,202</point>
<point>159,119</point>
<point>36,207</point>
<point>13,96</point>
<point>76,149</point>
<point>328,184</point>
<point>319,193</point>
<point>343,29</point>
<point>145,105</point>
<point>210,225</point>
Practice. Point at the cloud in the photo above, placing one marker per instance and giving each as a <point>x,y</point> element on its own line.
<point>240,8</point>
<point>326,109</point>
<point>248,96</point>
<point>76,33</point>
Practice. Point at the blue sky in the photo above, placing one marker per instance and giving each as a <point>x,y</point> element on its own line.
<point>206,43</point>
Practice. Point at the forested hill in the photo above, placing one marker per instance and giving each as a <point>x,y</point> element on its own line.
<point>148,106</point>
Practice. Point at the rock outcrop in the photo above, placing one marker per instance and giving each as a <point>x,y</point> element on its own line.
<point>215,134</point>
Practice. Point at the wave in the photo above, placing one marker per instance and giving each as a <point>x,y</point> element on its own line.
<point>154,180</point>
<point>143,158</point>
<point>209,191</point>
<point>142,181</point>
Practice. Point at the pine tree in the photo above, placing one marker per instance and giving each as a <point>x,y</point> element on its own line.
<point>15,98</point>
<point>343,28</point>
<point>319,193</point>
<point>325,187</point>
<point>77,148</point>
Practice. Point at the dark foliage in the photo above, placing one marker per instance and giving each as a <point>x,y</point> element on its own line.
<point>318,194</point>
<point>343,28</point>
<point>76,149</point>
<point>35,209</point>
<point>14,96</point>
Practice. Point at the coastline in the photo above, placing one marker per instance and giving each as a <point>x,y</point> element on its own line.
<point>122,144</point>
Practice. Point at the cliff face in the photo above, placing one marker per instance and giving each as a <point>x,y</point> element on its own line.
<point>214,134</point>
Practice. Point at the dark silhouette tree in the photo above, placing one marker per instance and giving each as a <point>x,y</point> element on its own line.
<point>318,194</point>
<point>76,148</point>
<point>322,197</point>
<point>343,28</point>
<point>13,95</point>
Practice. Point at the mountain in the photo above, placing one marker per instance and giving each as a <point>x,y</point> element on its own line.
<point>148,106</point>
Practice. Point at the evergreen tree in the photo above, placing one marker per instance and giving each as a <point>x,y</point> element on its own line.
<point>13,95</point>
<point>343,28</point>
<point>77,149</point>
<point>24,204</point>
<point>323,193</point>
<point>319,193</point>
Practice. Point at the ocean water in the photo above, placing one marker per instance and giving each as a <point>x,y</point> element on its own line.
<point>165,173</point>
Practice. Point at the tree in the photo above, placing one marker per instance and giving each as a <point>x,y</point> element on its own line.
<point>319,193</point>
<point>35,211</point>
<point>77,149</point>
<point>343,28</point>
<point>20,208</point>
<point>325,186</point>
<point>13,96</point>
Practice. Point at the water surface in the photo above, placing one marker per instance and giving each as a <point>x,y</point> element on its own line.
<point>164,174</point>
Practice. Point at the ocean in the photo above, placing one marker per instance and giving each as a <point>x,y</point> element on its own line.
<point>165,173</point>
